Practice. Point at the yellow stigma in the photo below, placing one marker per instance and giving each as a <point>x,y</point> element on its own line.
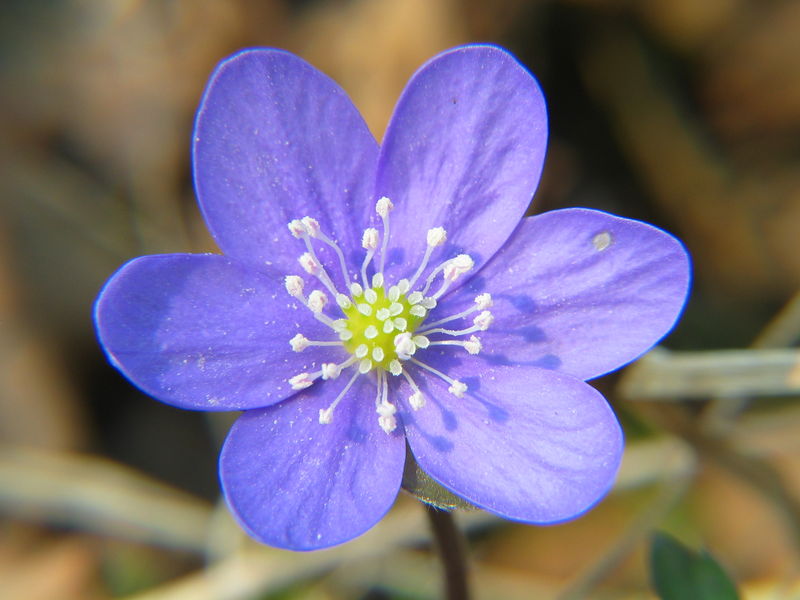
<point>374,320</point>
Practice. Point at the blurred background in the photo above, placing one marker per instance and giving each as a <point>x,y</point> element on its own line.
<point>682,113</point>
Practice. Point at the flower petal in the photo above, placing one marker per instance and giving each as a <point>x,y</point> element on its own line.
<point>464,150</point>
<point>580,291</point>
<point>524,443</point>
<point>294,483</point>
<point>203,332</point>
<point>277,140</point>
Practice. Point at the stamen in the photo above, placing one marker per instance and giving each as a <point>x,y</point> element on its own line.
<point>480,323</point>
<point>365,366</point>
<point>482,302</point>
<point>299,342</point>
<point>326,414</point>
<point>377,280</point>
<point>330,370</point>
<point>317,301</point>
<point>294,285</point>
<point>383,207</point>
<point>301,381</point>
<point>435,238</point>
<point>382,314</point>
<point>385,409</point>
<point>473,345</point>
<point>416,399</point>
<point>395,368</point>
<point>404,346</point>
<point>370,295</point>
<point>369,241</point>
<point>356,290</point>
<point>455,267</point>
<point>457,388</point>
<point>297,228</point>
<point>314,230</point>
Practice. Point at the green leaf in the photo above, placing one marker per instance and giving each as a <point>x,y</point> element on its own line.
<point>420,485</point>
<point>682,574</point>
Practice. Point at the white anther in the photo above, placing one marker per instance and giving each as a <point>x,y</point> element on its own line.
<point>364,366</point>
<point>416,400</point>
<point>369,240</point>
<point>403,285</point>
<point>362,351</point>
<point>356,290</point>
<point>458,266</point>
<point>377,280</point>
<point>415,298</point>
<point>386,411</point>
<point>299,342</point>
<point>428,303</point>
<point>378,354</point>
<point>294,285</point>
<point>400,323</point>
<point>418,311</point>
<point>382,314</point>
<point>473,346</point>
<point>311,225</point>
<point>388,326</point>
<point>317,301</point>
<point>436,237</point>
<point>325,416</point>
<point>420,341</point>
<point>345,335</point>
<point>395,368</point>
<point>330,370</point>
<point>343,301</point>
<point>364,309</point>
<point>484,301</point>
<point>483,320</point>
<point>301,381</point>
<point>310,264</point>
<point>395,309</point>
<point>457,388</point>
<point>296,227</point>
<point>371,332</point>
<point>339,324</point>
<point>393,294</point>
<point>404,346</point>
<point>370,296</point>
<point>383,206</point>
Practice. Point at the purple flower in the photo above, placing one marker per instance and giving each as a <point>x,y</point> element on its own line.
<point>407,302</point>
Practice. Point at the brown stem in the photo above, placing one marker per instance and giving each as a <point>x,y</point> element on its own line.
<point>451,546</point>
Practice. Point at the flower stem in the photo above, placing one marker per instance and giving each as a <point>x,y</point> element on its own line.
<point>451,546</point>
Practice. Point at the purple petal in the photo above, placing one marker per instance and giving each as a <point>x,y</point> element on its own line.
<point>203,332</point>
<point>580,291</point>
<point>524,443</point>
<point>294,483</point>
<point>464,150</point>
<point>277,140</point>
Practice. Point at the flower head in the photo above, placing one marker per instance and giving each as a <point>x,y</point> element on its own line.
<point>370,297</point>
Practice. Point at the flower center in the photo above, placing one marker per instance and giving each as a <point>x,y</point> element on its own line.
<point>374,321</point>
<point>381,327</point>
